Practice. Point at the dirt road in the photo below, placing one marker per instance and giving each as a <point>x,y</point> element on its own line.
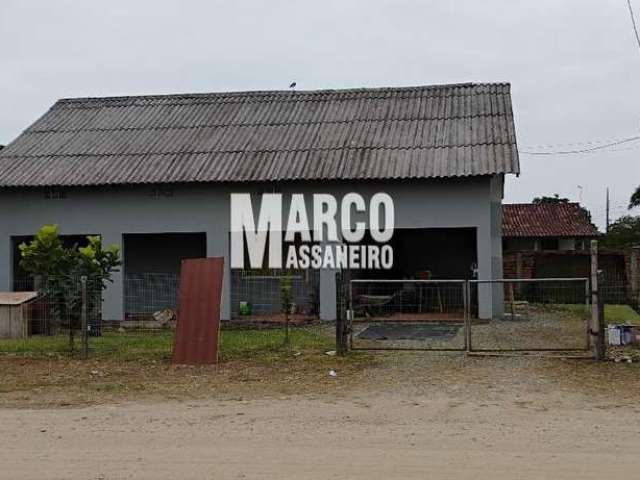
<point>498,433</point>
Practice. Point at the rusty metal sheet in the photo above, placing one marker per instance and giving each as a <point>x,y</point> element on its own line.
<point>197,333</point>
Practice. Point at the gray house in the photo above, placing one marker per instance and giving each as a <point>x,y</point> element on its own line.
<point>154,174</point>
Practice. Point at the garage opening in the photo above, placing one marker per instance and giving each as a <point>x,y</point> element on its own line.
<point>151,273</point>
<point>420,302</point>
<point>435,253</point>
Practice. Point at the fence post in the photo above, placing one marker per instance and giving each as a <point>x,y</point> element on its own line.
<point>634,264</point>
<point>340,317</point>
<point>467,315</point>
<point>597,329</point>
<point>343,325</point>
<point>83,318</point>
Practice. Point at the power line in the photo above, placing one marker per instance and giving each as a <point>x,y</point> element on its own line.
<point>584,150</point>
<point>597,148</point>
<point>633,22</point>
<point>574,144</point>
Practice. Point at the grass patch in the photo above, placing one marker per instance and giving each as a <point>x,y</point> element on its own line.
<point>612,313</point>
<point>40,371</point>
<point>266,344</point>
<point>621,314</point>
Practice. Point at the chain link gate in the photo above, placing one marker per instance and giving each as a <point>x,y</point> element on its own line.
<point>407,314</point>
<point>546,314</point>
<point>506,315</point>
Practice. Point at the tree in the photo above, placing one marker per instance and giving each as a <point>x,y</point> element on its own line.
<point>45,256</point>
<point>556,199</point>
<point>635,199</point>
<point>57,271</point>
<point>623,233</point>
<point>550,200</point>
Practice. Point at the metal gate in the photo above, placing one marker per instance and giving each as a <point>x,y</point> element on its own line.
<point>506,315</point>
<point>542,314</point>
<point>408,314</point>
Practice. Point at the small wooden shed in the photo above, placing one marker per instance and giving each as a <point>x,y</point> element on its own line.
<point>15,314</point>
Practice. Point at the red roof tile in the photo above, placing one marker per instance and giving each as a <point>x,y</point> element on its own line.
<point>546,220</point>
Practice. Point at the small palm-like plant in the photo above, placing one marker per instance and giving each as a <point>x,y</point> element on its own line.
<point>287,304</point>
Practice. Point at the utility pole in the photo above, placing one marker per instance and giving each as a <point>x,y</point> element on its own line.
<point>608,208</point>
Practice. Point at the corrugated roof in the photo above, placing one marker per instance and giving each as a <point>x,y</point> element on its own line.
<point>546,220</point>
<point>381,133</point>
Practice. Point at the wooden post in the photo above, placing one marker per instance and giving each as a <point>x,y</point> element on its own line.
<point>83,318</point>
<point>340,317</point>
<point>635,273</point>
<point>597,313</point>
<point>343,324</point>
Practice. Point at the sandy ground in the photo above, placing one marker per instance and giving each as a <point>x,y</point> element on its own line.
<point>417,417</point>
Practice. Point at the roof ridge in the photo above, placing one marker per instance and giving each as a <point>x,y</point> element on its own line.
<point>249,93</point>
<point>537,204</point>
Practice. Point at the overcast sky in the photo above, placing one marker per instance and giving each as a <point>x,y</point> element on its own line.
<point>574,65</point>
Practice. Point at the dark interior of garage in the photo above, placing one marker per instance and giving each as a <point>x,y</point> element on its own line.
<point>152,269</point>
<point>161,252</point>
<point>428,253</point>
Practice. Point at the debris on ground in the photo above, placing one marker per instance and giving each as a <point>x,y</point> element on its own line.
<point>623,354</point>
<point>333,373</point>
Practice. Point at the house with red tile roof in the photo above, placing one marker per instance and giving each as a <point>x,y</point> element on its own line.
<point>562,226</point>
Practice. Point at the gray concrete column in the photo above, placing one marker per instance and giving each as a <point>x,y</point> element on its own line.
<point>485,272</point>
<point>112,297</point>
<point>218,246</point>
<point>6,256</point>
<point>328,295</point>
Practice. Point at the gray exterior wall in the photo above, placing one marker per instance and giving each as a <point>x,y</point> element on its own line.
<point>112,212</point>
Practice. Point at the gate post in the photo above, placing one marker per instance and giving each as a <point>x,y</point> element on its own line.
<point>343,325</point>
<point>83,318</point>
<point>597,329</point>
<point>467,315</point>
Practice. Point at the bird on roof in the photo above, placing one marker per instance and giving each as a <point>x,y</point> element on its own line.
<point>293,85</point>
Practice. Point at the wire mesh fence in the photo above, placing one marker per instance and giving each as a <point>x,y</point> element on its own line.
<point>57,308</point>
<point>150,301</point>
<point>615,289</point>
<point>527,315</point>
<point>408,314</point>
<point>530,315</point>
<point>257,295</point>
<point>68,307</point>
<point>150,308</point>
